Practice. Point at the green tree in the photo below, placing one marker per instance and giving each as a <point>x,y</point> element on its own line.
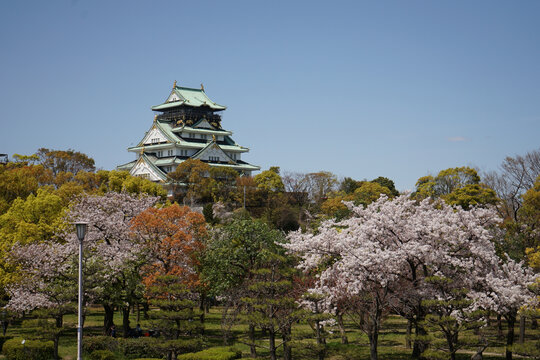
<point>319,185</point>
<point>192,181</point>
<point>471,195</point>
<point>32,220</point>
<point>348,185</point>
<point>271,301</point>
<point>233,253</point>
<point>386,182</point>
<point>369,192</point>
<point>456,186</point>
<point>448,315</point>
<point>65,161</point>
<point>270,180</point>
<point>175,319</point>
<point>223,183</point>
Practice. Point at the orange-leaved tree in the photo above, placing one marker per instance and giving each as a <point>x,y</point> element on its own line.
<point>173,237</point>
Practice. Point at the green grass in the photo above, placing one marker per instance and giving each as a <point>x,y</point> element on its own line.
<point>391,340</point>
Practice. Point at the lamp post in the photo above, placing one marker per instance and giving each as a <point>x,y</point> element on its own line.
<point>81,232</point>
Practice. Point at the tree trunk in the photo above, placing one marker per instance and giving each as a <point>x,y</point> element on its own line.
<point>511,319</point>
<point>202,302</point>
<point>287,351</point>
<point>55,344</point>
<point>408,344</point>
<point>419,345</point>
<point>59,321</point>
<point>146,307</point>
<point>125,320</point>
<point>252,348</point>
<point>522,329</point>
<point>450,342</point>
<point>373,341</point>
<point>534,323</point>
<point>499,327</point>
<point>108,320</point>
<point>343,333</point>
<point>138,313</point>
<point>272,343</point>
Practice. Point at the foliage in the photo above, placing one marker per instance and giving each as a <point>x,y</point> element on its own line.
<point>457,186</point>
<point>93,343</point>
<point>389,249</point>
<point>111,257</point>
<point>33,220</point>
<point>215,353</point>
<point>319,185</point>
<point>222,183</point>
<point>192,181</point>
<point>21,180</point>
<point>368,192</point>
<point>102,355</point>
<point>270,180</point>
<point>140,347</point>
<point>65,161</point>
<point>449,314</point>
<point>348,185</point>
<point>471,195</point>
<point>386,182</point>
<point>15,349</point>
<point>234,250</point>
<point>173,237</point>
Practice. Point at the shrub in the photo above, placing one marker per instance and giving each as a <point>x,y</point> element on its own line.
<point>215,353</point>
<point>143,347</point>
<point>93,343</point>
<point>3,339</point>
<point>14,349</point>
<point>102,355</point>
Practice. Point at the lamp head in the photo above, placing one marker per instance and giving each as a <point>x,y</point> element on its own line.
<point>81,230</point>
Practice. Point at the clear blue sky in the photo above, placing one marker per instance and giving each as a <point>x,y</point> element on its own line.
<point>362,89</point>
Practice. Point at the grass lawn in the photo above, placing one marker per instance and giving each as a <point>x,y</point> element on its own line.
<point>392,344</point>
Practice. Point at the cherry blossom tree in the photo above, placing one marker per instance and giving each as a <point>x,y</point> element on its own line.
<point>111,258</point>
<point>387,251</point>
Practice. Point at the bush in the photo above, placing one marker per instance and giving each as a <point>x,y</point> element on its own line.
<point>143,347</point>
<point>93,343</point>
<point>102,355</point>
<point>13,349</point>
<point>3,339</point>
<point>216,353</point>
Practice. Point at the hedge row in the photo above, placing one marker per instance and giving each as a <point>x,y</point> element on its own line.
<point>215,353</point>
<point>15,349</point>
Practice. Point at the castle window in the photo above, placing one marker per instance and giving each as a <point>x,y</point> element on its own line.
<point>170,152</point>
<point>160,153</point>
<point>203,136</point>
<point>213,158</point>
<point>155,140</point>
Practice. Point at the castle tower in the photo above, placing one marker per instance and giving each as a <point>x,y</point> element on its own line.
<point>186,126</point>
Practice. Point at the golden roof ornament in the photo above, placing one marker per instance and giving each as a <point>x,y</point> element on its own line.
<point>174,85</point>
<point>155,118</point>
<point>213,138</point>
<point>142,150</point>
<point>202,87</point>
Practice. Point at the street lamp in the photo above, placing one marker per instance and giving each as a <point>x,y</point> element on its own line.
<point>81,232</point>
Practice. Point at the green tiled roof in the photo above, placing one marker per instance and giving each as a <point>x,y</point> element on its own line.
<point>189,97</point>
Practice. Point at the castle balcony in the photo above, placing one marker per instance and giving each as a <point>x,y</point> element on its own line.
<point>187,116</point>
